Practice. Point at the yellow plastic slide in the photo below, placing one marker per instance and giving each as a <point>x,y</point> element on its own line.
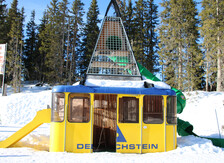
<point>43,116</point>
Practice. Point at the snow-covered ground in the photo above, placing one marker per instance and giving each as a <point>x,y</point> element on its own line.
<point>16,110</point>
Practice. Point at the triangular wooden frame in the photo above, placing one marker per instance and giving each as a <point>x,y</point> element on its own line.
<point>113,55</point>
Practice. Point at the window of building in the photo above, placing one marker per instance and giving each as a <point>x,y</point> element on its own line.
<point>128,110</point>
<point>172,110</point>
<point>79,108</point>
<point>153,109</point>
<point>58,106</point>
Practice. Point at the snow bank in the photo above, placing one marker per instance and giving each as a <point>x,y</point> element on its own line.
<point>190,149</point>
<point>200,111</point>
<point>21,108</point>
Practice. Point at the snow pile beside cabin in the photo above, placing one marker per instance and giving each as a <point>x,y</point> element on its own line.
<point>21,108</point>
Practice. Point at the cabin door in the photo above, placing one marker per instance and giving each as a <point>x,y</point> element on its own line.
<point>105,124</point>
<point>154,127</point>
<point>129,118</point>
<point>79,123</point>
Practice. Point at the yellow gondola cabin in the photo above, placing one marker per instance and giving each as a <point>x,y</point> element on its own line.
<point>126,120</point>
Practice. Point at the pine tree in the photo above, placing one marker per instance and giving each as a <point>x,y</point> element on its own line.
<point>53,53</point>
<point>127,17</point>
<point>129,24</point>
<point>122,6</point>
<point>143,19</point>
<point>150,36</point>
<point>140,24</point>
<point>90,34</point>
<point>30,50</point>
<point>195,63</point>
<point>63,20</point>
<point>43,46</point>
<point>207,24</point>
<point>179,50</point>
<point>138,43</point>
<point>220,44</point>
<point>3,26</point>
<point>212,32</point>
<point>15,48</point>
<point>74,40</point>
<point>166,59</point>
<point>123,10</point>
<point>21,43</point>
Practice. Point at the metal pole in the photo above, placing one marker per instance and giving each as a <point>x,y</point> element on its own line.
<point>3,80</point>
<point>2,83</point>
<point>217,123</point>
<point>141,119</point>
<point>91,121</point>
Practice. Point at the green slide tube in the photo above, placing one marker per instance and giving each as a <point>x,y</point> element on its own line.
<point>181,100</point>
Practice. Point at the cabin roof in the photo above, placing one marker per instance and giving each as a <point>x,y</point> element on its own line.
<point>112,90</point>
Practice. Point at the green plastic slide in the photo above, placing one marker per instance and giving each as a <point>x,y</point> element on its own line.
<point>181,101</point>
<point>183,128</point>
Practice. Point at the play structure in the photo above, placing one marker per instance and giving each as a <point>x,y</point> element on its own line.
<point>41,117</point>
<point>125,120</point>
<point>113,109</point>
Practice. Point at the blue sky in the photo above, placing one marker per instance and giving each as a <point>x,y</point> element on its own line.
<point>40,5</point>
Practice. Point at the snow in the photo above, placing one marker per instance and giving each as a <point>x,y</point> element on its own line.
<point>200,111</point>
<point>16,110</point>
<point>132,84</point>
<point>20,108</point>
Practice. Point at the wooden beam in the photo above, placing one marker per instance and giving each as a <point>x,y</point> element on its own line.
<point>112,53</point>
<point>111,64</point>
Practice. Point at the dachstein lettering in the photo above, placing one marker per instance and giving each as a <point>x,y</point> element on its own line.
<point>122,146</point>
<point>137,146</point>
